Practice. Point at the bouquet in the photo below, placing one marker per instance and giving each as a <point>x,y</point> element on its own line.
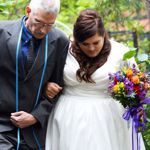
<point>130,87</point>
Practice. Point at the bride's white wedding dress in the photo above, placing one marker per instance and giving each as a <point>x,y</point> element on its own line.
<point>85,117</point>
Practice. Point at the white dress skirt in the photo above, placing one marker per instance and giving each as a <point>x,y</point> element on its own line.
<point>86,117</point>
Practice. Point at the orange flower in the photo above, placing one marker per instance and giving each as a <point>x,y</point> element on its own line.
<point>135,79</point>
<point>147,85</point>
<point>129,73</point>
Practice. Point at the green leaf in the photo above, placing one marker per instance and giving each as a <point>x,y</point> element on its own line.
<point>129,54</point>
<point>148,119</point>
<point>142,57</point>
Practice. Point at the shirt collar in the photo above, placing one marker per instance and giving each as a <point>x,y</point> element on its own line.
<point>26,35</point>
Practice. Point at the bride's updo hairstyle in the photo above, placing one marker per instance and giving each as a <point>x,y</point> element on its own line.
<point>87,25</point>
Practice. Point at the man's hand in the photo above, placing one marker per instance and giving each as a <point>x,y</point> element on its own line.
<point>22,119</point>
<point>52,89</point>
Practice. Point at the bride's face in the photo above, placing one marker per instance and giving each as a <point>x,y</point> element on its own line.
<point>92,46</point>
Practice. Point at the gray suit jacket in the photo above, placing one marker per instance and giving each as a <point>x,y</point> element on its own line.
<point>28,84</point>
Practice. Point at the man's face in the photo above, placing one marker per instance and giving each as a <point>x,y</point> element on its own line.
<point>39,23</point>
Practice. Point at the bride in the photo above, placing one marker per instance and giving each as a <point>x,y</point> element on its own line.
<point>85,116</point>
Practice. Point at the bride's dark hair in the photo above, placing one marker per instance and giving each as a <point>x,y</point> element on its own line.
<point>87,25</point>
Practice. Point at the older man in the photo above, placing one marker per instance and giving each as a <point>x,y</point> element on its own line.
<point>32,52</point>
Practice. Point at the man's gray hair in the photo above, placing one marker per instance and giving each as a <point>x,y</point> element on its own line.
<point>52,6</point>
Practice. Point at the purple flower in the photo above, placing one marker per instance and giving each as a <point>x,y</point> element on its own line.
<point>142,94</point>
<point>128,86</point>
<point>119,76</point>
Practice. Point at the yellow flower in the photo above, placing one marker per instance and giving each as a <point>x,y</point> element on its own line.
<point>121,85</point>
<point>116,88</point>
<point>141,75</point>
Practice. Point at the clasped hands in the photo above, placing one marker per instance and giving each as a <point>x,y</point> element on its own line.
<point>22,119</point>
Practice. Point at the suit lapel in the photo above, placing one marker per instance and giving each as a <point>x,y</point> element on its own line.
<point>12,45</point>
<point>39,61</point>
<point>40,58</point>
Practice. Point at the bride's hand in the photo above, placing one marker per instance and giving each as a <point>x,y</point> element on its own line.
<point>52,89</point>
